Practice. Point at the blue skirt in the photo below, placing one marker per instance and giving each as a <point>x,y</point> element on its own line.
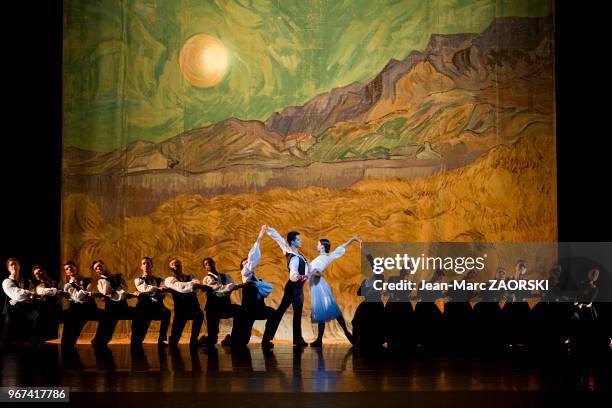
<point>323,307</point>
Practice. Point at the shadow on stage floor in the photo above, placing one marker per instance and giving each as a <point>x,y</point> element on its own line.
<point>335,375</point>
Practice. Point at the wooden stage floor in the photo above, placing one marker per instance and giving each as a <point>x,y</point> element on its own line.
<point>336,375</point>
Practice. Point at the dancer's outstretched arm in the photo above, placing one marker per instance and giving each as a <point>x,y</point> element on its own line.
<point>356,238</point>
<point>253,257</point>
<point>279,240</point>
<point>339,251</point>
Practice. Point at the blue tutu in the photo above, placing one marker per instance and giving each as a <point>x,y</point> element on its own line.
<point>323,307</point>
<point>263,288</point>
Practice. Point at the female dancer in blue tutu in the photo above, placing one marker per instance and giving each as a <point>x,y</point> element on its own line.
<point>323,307</point>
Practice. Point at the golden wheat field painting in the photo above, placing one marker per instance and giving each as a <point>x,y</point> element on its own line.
<point>188,125</point>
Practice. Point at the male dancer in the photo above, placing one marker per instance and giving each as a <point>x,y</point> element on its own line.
<point>253,304</point>
<point>114,289</point>
<point>186,305</point>
<point>218,287</point>
<point>19,304</point>
<point>48,304</point>
<point>150,305</point>
<point>299,272</point>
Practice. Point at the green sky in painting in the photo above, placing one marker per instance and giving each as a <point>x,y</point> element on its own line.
<point>122,80</point>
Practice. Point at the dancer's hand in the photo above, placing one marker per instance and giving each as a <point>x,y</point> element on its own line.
<point>262,231</point>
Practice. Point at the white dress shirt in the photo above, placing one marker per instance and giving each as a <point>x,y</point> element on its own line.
<point>253,258</point>
<point>105,288</point>
<point>213,281</point>
<point>15,292</point>
<point>152,290</point>
<point>294,274</point>
<point>80,294</point>
<point>182,287</point>
<point>42,290</point>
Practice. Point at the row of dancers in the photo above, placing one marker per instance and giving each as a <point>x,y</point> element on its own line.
<point>397,323</point>
<point>36,306</point>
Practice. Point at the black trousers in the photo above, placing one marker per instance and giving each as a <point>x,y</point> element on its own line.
<point>113,312</point>
<point>180,320</point>
<point>488,326</point>
<point>399,319</point>
<point>515,320</point>
<point>147,310</point>
<point>243,324</point>
<point>50,315</point>
<point>369,325</point>
<point>428,323</point>
<point>76,317</point>
<point>21,322</point>
<point>214,315</point>
<point>293,296</point>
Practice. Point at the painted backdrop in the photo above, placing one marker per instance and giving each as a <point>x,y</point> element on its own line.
<point>188,124</point>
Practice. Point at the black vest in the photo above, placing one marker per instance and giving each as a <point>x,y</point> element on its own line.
<point>150,281</point>
<point>114,280</point>
<point>214,302</point>
<point>83,286</point>
<point>301,268</point>
<point>184,301</point>
<point>110,305</point>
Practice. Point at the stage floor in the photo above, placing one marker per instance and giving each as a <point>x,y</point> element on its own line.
<point>307,377</point>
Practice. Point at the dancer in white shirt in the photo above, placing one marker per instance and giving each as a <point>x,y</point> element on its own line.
<point>48,304</point>
<point>186,305</point>
<point>299,271</point>
<point>254,292</point>
<point>19,305</point>
<point>150,305</point>
<point>114,289</point>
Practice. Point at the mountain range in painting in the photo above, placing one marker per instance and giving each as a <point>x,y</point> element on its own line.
<point>435,110</point>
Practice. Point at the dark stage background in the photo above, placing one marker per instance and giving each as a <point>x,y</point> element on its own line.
<point>31,162</point>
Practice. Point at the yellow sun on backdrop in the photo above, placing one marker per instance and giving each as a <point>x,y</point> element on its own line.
<point>203,60</point>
